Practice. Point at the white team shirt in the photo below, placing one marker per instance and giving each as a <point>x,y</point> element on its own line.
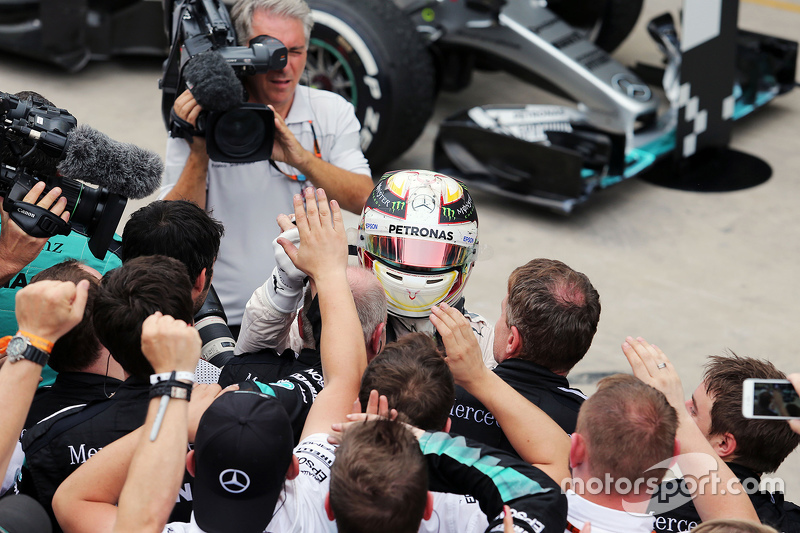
<point>603,519</point>
<point>248,197</point>
<point>301,505</point>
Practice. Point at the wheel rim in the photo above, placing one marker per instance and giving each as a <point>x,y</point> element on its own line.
<point>328,69</point>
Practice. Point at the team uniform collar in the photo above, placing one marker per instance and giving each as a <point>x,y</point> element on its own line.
<point>602,518</point>
<point>529,367</point>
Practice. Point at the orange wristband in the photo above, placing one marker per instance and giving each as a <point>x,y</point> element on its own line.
<point>43,344</point>
<point>4,344</point>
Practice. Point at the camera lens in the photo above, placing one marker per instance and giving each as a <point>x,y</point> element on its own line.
<point>239,133</point>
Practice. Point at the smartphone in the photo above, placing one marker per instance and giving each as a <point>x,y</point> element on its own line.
<point>770,399</point>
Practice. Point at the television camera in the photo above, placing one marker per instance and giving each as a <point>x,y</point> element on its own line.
<point>205,58</point>
<point>34,137</point>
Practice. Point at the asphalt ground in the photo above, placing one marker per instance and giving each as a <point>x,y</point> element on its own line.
<point>696,273</point>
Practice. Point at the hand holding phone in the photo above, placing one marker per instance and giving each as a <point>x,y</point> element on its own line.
<point>770,399</point>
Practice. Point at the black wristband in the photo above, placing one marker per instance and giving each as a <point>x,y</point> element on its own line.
<point>173,389</point>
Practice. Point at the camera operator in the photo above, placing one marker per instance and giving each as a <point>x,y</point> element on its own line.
<point>24,256</point>
<point>316,143</point>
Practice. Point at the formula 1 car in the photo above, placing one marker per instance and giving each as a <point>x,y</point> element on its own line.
<point>390,58</point>
<point>552,156</point>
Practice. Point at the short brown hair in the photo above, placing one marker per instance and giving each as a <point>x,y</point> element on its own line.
<point>79,347</point>
<point>556,311</point>
<point>413,375</point>
<point>379,480</point>
<point>128,295</point>
<point>732,526</point>
<point>628,426</point>
<point>723,379</point>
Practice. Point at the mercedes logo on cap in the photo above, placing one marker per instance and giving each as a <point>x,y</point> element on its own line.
<point>234,481</point>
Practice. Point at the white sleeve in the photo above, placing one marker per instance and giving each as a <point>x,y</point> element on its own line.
<point>175,160</point>
<point>485,335</point>
<point>454,513</point>
<point>263,326</point>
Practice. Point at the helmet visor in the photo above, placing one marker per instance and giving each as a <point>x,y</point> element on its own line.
<point>416,252</point>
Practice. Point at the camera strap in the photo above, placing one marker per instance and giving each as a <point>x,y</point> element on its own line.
<point>34,220</point>
<point>180,128</point>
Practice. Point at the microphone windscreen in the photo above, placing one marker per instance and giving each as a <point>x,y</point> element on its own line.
<point>213,82</point>
<point>122,168</point>
<point>20,513</point>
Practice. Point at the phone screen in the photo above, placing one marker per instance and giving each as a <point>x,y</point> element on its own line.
<point>770,398</point>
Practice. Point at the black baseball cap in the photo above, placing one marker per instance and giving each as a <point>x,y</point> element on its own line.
<point>20,513</point>
<point>243,450</point>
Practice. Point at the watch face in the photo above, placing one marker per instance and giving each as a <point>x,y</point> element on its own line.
<point>16,347</point>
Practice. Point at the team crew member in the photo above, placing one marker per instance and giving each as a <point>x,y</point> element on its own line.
<point>86,370</point>
<point>716,408</point>
<point>546,325</point>
<point>24,256</point>
<point>317,142</point>
<point>57,446</point>
<point>380,479</point>
<point>291,484</point>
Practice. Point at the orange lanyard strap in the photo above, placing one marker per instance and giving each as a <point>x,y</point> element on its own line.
<point>317,153</point>
<point>4,344</point>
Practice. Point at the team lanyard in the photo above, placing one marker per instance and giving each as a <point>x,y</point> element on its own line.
<point>317,153</point>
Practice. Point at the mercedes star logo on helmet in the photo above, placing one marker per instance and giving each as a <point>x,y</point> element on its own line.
<point>234,481</point>
<point>632,87</point>
<point>423,201</point>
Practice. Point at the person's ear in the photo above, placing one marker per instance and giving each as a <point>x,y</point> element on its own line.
<point>514,343</point>
<point>199,285</point>
<point>377,340</point>
<point>447,425</point>
<point>294,468</point>
<point>577,450</point>
<point>724,445</point>
<point>428,507</point>
<point>190,464</point>
<point>328,509</point>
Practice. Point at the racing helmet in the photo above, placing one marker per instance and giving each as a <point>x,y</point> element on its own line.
<point>419,235</point>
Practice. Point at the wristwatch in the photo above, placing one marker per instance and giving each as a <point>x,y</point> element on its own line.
<point>20,347</point>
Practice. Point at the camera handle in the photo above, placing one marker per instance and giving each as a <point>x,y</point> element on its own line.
<point>183,129</point>
<point>34,220</point>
